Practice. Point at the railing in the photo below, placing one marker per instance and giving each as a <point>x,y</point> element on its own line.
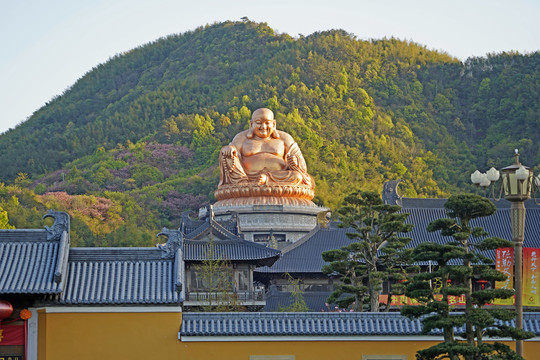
<point>256,295</point>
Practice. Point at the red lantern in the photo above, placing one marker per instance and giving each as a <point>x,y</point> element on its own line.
<point>5,309</point>
<point>482,283</point>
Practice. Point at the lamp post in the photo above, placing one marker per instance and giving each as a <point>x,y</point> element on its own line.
<point>517,182</point>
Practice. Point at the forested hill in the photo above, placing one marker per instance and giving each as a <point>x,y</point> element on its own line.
<point>148,124</point>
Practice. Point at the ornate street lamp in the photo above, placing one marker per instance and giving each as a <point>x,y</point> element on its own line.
<point>517,183</point>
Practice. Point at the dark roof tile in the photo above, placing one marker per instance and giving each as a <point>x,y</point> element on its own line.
<point>304,256</point>
<point>31,264</point>
<point>120,276</point>
<point>231,250</point>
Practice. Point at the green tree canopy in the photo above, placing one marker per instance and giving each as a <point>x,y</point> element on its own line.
<point>4,222</point>
<point>376,254</point>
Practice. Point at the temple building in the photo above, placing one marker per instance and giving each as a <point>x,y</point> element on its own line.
<point>234,258</point>
<point>88,303</point>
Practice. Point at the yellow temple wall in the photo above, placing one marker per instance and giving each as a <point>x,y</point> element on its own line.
<point>108,335</point>
<point>154,335</point>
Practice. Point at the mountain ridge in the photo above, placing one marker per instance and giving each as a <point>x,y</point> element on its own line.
<point>148,124</point>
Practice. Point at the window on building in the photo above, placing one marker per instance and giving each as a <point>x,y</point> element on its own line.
<point>266,237</point>
<point>205,280</point>
<point>242,279</point>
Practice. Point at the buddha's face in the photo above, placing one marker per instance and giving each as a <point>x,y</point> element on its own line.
<point>263,124</point>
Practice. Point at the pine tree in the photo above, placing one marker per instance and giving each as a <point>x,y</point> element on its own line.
<point>465,249</point>
<point>376,254</point>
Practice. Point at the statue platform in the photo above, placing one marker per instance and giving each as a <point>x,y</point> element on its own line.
<point>259,222</point>
<point>249,194</point>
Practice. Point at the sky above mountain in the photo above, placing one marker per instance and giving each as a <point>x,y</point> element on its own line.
<point>48,45</point>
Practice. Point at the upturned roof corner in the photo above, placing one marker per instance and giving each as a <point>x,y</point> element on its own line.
<point>61,224</point>
<point>390,193</point>
<point>175,240</point>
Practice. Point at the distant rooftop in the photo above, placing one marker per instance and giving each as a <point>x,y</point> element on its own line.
<point>304,256</point>
<point>411,203</point>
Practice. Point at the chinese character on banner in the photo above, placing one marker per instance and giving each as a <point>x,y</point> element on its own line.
<point>531,274</point>
<point>505,264</point>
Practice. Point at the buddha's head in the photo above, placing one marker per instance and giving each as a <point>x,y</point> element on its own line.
<point>262,124</point>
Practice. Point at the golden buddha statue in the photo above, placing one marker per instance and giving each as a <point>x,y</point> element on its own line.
<point>263,165</point>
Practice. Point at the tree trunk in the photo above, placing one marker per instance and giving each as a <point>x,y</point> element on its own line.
<point>448,333</point>
<point>373,292</point>
<point>469,329</point>
<point>374,301</point>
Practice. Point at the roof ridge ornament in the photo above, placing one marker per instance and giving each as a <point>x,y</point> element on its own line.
<point>174,241</point>
<point>185,222</point>
<point>214,224</point>
<point>61,224</point>
<point>390,193</point>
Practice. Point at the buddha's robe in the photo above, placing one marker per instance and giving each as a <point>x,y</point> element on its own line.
<point>266,168</point>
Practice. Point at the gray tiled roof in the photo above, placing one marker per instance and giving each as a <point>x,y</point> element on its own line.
<point>221,230</point>
<point>31,264</point>
<point>120,276</point>
<point>192,229</point>
<point>304,256</point>
<point>226,245</point>
<point>311,324</point>
<point>240,250</point>
<point>497,224</point>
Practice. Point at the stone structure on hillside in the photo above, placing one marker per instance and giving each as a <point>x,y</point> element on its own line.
<point>264,180</point>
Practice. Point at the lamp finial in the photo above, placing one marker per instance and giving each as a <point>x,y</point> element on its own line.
<point>517,157</point>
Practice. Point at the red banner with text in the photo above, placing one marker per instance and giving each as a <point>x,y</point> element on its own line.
<point>504,262</point>
<point>531,274</point>
<point>400,300</point>
<point>11,335</point>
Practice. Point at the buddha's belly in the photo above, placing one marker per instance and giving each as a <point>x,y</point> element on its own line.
<point>255,163</point>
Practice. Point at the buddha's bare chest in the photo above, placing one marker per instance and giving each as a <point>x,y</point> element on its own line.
<point>270,146</point>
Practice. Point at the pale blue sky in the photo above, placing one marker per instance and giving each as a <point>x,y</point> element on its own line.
<point>47,45</point>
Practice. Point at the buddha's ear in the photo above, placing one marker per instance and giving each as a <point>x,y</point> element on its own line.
<point>274,133</point>
<point>249,133</point>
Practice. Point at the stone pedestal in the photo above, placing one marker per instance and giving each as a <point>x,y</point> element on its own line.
<point>285,223</point>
